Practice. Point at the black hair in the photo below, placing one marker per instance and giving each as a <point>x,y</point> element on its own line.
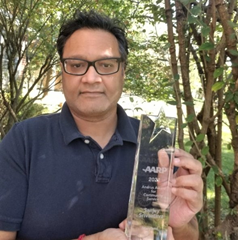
<point>93,20</point>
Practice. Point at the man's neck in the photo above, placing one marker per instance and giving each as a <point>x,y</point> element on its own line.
<point>100,129</point>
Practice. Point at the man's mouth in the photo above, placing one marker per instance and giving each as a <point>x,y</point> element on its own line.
<point>91,93</point>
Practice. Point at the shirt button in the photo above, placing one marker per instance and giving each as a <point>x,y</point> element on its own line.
<point>101,156</point>
<point>86,141</point>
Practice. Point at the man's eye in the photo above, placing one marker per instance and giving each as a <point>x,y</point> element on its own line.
<point>76,65</point>
<point>107,65</point>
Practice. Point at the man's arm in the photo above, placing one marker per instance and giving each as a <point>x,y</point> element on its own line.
<point>4,235</point>
<point>189,231</point>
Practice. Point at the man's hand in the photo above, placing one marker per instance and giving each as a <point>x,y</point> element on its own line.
<point>188,189</point>
<point>112,233</point>
<point>108,234</point>
<point>169,237</point>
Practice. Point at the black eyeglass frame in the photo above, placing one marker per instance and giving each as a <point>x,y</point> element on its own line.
<point>92,63</point>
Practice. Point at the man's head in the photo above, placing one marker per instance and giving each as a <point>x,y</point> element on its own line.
<point>93,20</point>
<point>93,51</point>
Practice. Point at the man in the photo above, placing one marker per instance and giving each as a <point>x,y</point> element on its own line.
<point>67,175</point>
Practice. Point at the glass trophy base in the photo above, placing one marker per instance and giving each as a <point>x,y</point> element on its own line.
<point>156,228</point>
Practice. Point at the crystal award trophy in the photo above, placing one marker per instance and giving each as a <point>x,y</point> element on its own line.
<point>150,196</point>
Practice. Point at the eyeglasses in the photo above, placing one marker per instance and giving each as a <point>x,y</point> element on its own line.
<point>79,67</point>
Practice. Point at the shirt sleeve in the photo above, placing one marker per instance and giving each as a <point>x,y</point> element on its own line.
<point>13,179</point>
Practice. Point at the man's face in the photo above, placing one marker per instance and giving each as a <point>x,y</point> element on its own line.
<point>92,95</point>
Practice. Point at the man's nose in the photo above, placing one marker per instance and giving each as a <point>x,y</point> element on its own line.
<point>91,76</point>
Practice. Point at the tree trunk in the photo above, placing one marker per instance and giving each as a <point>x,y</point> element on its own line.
<point>203,221</point>
<point>175,74</point>
<point>231,107</point>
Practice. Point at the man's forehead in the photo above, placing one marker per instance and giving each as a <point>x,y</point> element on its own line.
<point>91,43</point>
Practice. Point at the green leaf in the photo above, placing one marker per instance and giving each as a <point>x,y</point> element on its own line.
<point>218,181</point>
<point>208,59</point>
<point>229,96</point>
<point>233,37</point>
<point>233,52</point>
<point>205,150</point>
<point>131,99</point>
<point>172,102</point>
<point>217,86</point>
<point>185,2</point>
<point>188,103</point>
<point>206,46</point>
<point>232,24</point>
<point>202,161</point>
<point>138,108</point>
<point>184,125</point>
<point>166,46</point>
<point>205,31</point>
<point>190,118</point>
<point>196,10</point>
<point>229,146</point>
<point>176,77</point>
<point>236,98</point>
<point>192,19</point>
<point>189,143</point>
<point>215,169</point>
<point>218,72</point>
<point>200,137</point>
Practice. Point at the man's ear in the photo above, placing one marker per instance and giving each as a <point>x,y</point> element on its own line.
<point>123,76</point>
<point>124,71</point>
<point>61,66</point>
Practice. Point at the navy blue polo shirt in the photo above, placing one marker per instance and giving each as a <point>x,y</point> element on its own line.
<point>56,183</point>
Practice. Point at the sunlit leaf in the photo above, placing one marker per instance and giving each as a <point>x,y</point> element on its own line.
<point>217,86</point>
